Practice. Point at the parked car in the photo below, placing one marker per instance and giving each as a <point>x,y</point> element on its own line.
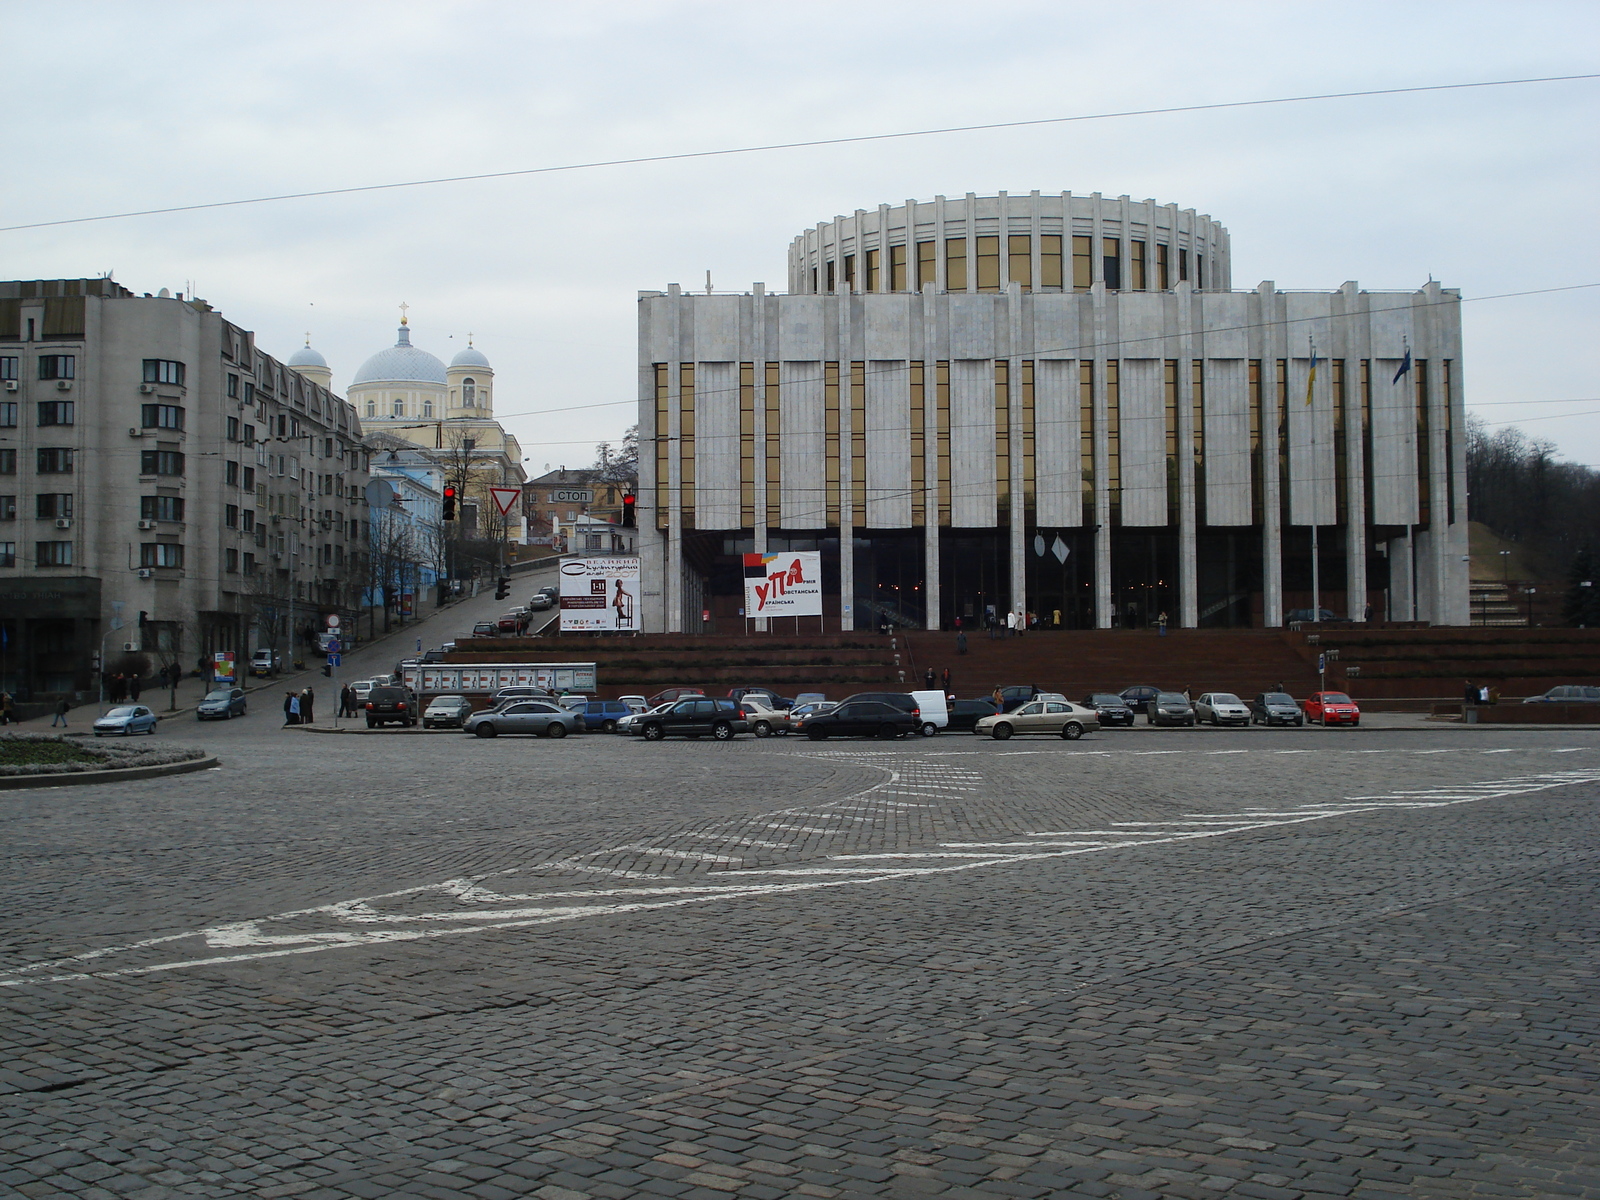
<point>126,719</point>
<point>692,717</point>
<point>860,718</point>
<point>1017,695</point>
<point>541,603</point>
<point>446,712</point>
<point>1138,696</point>
<point>934,708</point>
<point>764,719</point>
<point>362,687</point>
<point>508,623</point>
<point>604,714</point>
<point>1169,708</point>
<point>674,693</point>
<point>391,704</point>
<point>1332,708</point>
<point>485,629</point>
<point>539,717</point>
<point>520,691</point>
<point>630,724</point>
<point>1567,693</point>
<point>810,710</point>
<point>265,662</point>
<point>1060,718</point>
<point>766,695</point>
<point>636,704</point>
<point>810,698</point>
<point>434,656</point>
<point>220,704</point>
<point>1113,709</point>
<point>1275,708</point>
<point>1221,708</point>
<point>573,700</point>
<point>965,714</point>
<point>901,700</point>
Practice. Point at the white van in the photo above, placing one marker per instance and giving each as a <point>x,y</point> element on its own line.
<point>935,716</point>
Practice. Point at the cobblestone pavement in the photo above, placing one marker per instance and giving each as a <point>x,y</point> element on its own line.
<point>1249,963</point>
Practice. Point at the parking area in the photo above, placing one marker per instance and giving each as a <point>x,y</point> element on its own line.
<point>1288,962</point>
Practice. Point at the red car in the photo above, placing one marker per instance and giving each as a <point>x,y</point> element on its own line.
<point>1332,708</point>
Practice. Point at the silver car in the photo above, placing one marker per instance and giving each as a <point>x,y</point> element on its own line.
<point>1221,708</point>
<point>525,716</point>
<point>1061,717</point>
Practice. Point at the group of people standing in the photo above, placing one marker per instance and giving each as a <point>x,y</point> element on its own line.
<point>120,687</point>
<point>299,708</point>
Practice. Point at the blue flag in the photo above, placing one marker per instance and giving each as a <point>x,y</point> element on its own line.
<point>1405,367</point>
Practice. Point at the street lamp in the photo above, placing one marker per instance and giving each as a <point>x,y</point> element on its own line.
<point>1528,592</point>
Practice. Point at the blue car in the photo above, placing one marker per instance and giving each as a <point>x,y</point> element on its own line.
<point>126,719</point>
<point>221,704</point>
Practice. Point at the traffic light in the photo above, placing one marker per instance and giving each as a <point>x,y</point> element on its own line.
<point>504,588</point>
<point>327,669</point>
<point>449,502</point>
<point>144,617</point>
<point>630,510</point>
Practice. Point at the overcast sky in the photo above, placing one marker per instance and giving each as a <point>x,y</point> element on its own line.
<point>138,105</point>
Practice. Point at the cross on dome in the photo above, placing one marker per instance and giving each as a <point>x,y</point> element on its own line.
<point>403,307</point>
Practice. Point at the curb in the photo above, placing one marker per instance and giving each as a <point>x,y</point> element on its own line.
<point>116,775</point>
<point>407,729</point>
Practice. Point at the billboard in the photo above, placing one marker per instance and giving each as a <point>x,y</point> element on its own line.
<point>783,585</point>
<point>600,595</point>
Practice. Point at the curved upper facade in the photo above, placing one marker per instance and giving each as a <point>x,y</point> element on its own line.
<point>401,363</point>
<point>1041,242</point>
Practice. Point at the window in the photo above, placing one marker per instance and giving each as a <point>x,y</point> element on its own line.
<point>1111,262</point>
<point>372,408</point>
<point>8,554</point>
<point>54,461</point>
<point>248,522</point>
<point>830,275</point>
<point>56,412</point>
<point>161,416</point>
<point>57,366</point>
<point>163,370</point>
<point>230,474</point>
<point>161,508</point>
<point>955,264</point>
<point>988,264</point>
<point>8,414</point>
<point>233,386</point>
<point>249,392</point>
<point>8,508</point>
<point>399,407</point>
<point>1050,260</point>
<point>249,564</point>
<point>1019,249</point>
<point>874,270</point>
<point>1136,256</point>
<point>249,438</point>
<point>8,366</point>
<point>160,554</point>
<point>1163,268</point>
<point>927,269</point>
<point>250,478</point>
<point>52,554</point>
<point>327,447</point>
<point>159,462</point>
<point>469,391</point>
<point>52,505</point>
<point>1082,263</point>
<point>1199,270</point>
<point>230,515</point>
<point>8,462</point>
<point>591,541</point>
<point>427,409</point>
<point>849,272</point>
<point>897,268</point>
<point>230,561</point>
<point>233,429</point>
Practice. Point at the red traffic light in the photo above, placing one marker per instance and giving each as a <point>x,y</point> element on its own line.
<point>629,509</point>
<point>449,502</point>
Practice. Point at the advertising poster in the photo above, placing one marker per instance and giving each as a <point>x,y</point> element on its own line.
<point>222,669</point>
<point>783,585</point>
<point>600,595</point>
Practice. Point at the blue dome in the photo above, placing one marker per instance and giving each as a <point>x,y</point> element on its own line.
<point>470,358</point>
<point>401,363</point>
<point>307,357</point>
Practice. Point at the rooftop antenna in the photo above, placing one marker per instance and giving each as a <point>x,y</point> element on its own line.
<point>708,283</point>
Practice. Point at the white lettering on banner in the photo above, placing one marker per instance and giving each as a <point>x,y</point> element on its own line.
<point>783,585</point>
<point>600,594</point>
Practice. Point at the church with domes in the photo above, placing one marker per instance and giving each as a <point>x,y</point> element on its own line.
<point>405,394</point>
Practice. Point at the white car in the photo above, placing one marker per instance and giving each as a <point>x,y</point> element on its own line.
<point>362,686</point>
<point>635,703</point>
<point>630,723</point>
<point>764,721</point>
<point>1221,708</point>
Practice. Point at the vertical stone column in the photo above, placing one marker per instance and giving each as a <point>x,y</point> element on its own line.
<point>1272,349</point>
<point>758,354</point>
<point>1353,338</point>
<point>674,570</point>
<point>1188,571</point>
<point>1019,532</point>
<point>847,505</point>
<point>1102,454</point>
<point>934,598</point>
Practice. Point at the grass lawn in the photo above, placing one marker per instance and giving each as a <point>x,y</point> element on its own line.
<point>14,752</point>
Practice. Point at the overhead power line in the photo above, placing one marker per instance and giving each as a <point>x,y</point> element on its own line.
<point>801,145</point>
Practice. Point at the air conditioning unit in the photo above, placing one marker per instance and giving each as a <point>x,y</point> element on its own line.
<point>63,385</point>
<point>63,522</point>
<point>131,646</point>
<point>147,389</point>
<point>12,385</point>
<point>146,573</point>
<point>135,431</point>
<point>147,524</point>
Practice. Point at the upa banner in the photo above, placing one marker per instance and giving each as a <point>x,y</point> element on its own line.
<point>599,595</point>
<point>783,585</point>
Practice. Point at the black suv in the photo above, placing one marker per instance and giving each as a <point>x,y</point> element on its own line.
<point>694,717</point>
<point>388,704</point>
<point>859,717</point>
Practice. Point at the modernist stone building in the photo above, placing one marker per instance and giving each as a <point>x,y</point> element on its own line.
<point>1055,405</point>
<point>152,457</point>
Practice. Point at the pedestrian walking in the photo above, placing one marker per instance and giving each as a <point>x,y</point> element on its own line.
<point>307,705</point>
<point>961,641</point>
<point>1186,694</point>
<point>996,698</point>
<point>62,708</point>
<point>291,709</point>
<point>928,679</point>
<point>1161,624</point>
<point>1469,695</point>
<point>6,715</point>
<point>134,687</point>
<point>944,680</point>
<point>347,706</point>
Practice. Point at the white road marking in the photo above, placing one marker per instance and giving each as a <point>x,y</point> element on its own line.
<point>663,852</point>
